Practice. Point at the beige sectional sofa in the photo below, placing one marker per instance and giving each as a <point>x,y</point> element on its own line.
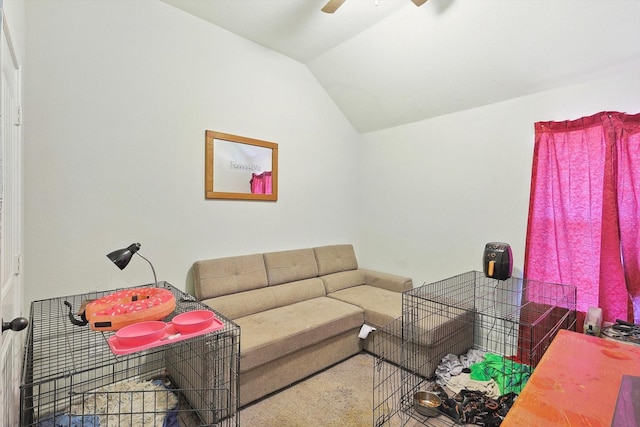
<point>299,311</point>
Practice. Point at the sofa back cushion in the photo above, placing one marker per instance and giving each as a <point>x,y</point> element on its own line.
<point>234,306</point>
<point>342,280</point>
<point>301,290</point>
<point>335,258</point>
<point>289,266</point>
<point>223,276</point>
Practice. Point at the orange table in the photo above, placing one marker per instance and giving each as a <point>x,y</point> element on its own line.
<point>576,383</point>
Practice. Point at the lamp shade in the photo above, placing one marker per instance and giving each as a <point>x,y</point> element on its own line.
<point>121,257</point>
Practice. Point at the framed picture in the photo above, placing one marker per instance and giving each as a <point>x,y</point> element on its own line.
<point>241,168</point>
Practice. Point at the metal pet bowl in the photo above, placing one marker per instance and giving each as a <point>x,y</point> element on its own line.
<point>427,403</point>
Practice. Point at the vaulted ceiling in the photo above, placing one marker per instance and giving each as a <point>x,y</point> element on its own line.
<point>389,62</point>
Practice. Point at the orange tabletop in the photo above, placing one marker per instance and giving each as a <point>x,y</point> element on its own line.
<point>576,383</point>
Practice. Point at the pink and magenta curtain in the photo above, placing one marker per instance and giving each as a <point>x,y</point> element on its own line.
<point>583,211</point>
<point>261,183</point>
<point>626,130</point>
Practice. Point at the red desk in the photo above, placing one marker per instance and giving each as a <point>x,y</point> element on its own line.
<point>576,383</point>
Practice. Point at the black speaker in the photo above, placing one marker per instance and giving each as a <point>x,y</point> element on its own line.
<point>497,260</point>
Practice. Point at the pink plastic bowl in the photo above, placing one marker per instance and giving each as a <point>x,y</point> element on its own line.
<point>193,321</point>
<point>141,333</point>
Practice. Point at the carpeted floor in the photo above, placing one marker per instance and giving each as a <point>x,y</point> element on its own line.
<point>341,396</point>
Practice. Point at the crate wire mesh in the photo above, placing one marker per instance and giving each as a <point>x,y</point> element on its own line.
<point>71,376</point>
<point>515,318</point>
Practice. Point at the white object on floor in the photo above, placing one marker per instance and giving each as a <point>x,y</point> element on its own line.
<point>365,330</point>
<point>452,365</point>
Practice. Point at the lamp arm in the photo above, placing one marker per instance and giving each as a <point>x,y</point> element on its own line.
<point>155,278</point>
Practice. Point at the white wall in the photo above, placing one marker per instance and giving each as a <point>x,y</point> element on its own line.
<point>435,192</point>
<point>118,97</point>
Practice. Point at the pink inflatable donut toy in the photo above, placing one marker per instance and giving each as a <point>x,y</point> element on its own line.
<point>119,309</point>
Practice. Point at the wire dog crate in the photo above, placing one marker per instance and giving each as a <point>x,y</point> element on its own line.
<point>70,375</point>
<point>512,321</point>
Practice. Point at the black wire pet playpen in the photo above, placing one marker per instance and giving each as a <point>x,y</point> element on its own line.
<point>71,376</point>
<point>491,331</point>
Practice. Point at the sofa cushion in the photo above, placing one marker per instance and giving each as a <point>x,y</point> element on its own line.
<point>335,258</point>
<point>271,334</point>
<point>301,290</point>
<point>437,326</point>
<point>387,281</point>
<point>389,344</point>
<point>223,276</point>
<point>342,280</point>
<point>242,304</point>
<point>254,301</point>
<point>380,306</point>
<point>288,266</point>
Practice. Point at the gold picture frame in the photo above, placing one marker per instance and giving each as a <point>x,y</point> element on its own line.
<point>240,168</point>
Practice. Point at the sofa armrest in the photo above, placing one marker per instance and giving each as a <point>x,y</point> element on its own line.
<point>391,282</point>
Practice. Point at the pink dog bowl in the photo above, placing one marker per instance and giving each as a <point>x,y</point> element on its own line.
<point>141,333</point>
<point>193,321</point>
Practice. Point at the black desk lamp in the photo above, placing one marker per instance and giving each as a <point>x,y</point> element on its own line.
<point>121,258</point>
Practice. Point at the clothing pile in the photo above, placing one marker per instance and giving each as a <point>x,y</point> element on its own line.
<point>510,375</point>
<point>484,386</point>
<point>475,407</point>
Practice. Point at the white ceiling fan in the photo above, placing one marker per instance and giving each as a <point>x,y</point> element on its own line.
<point>333,5</point>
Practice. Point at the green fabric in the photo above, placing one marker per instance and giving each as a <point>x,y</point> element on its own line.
<point>510,376</point>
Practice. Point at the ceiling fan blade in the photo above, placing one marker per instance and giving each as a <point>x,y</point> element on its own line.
<point>332,6</point>
<point>419,2</point>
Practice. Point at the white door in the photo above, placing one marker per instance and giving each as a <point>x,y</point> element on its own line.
<point>11,342</point>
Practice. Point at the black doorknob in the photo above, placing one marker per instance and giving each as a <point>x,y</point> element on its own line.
<point>17,324</point>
